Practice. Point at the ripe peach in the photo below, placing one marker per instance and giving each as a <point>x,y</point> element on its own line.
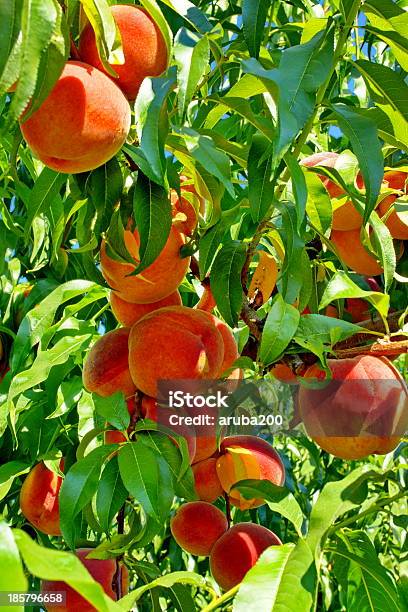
<point>346,217</point>
<point>82,124</point>
<point>284,373</point>
<point>352,252</point>
<point>157,281</point>
<point>230,346</point>
<point>243,457</point>
<point>362,411</point>
<point>182,343</point>
<point>159,414</point>
<point>207,483</point>
<point>398,227</point>
<point>39,498</point>
<point>196,527</point>
<point>106,368</point>
<point>233,555</point>
<point>144,48</point>
<point>127,313</point>
<point>103,571</point>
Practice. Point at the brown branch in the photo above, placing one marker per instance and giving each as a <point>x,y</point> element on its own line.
<point>228,509</point>
<point>249,316</point>
<point>379,349</point>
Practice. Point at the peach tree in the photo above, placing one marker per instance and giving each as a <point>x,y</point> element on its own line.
<point>195,189</point>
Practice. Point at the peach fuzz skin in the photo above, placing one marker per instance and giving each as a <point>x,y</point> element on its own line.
<point>243,457</point>
<point>197,526</point>
<point>352,252</point>
<point>39,499</point>
<point>207,483</point>
<point>360,414</point>
<point>157,281</point>
<point>394,180</point>
<point>233,555</point>
<point>187,346</point>
<point>82,123</point>
<point>101,570</point>
<point>106,368</point>
<point>346,217</point>
<point>144,48</point>
<point>127,314</point>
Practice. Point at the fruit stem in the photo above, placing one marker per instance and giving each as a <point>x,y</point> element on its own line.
<point>227,509</point>
<point>216,603</point>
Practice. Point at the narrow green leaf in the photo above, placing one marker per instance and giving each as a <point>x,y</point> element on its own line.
<point>318,206</point>
<point>191,13</point>
<point>260,183</point>
<point>280,327</point>
<point>111,494</point>
<point>341,286</point>
<point>113,409</point>
<point>107,35</point>
<point>46,189</point>
<point>153,214</point>
<point>318,333</point>
<point>367,148</point>
<point>12,577</point>
<point>192,54</point>
<point>8,472</point>
<point>140,474</point>
<point>226,280</point>
<point>10,22</point>
<point>254,14</point>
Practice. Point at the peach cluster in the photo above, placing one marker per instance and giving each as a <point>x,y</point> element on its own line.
<point>202,529</point>
<point>347,221</point>
<point>85,119</point>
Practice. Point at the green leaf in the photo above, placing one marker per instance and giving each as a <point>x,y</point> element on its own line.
<point>389,92</point>
<point>369,586</point>
<point>263,579</point>
<point>10,22</point>
<point>336,499</point>
<point>153,9</point>
<point>151,120</point>
<point>254,14</point>
<point>166,581</point>
<point>8,472</point>
<point>285,579</point>
<point>318,334</point>
<point>140,468</point>
<point>260,181</point>
<point>191,13</point>
<point>367,148</point>
<point>57,565</point>
<point>78,488</point>
<point>279,499</point>
<point>192,54</point>
<point>226,280</point>
<point>210,242</point>
<point>341,286</point>
<point>12,577</point>
<point>107,35</point>
<point>110,495</point>
<point>390,25</point>
<point>46,189</point>
<point>38,22</point>
<point>318,206</point>
<point>113,409</point>
<point>280,327</point>
<point>153,214</point>
<point>395,135</point>
<point>299,188</point>
<point>105,186</point>
<point>293,275</point>
<point>384,246</point>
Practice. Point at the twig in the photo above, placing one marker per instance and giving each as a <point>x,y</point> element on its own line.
<point>228,509</point>
<point>249,316</point>
<point>379,349</point>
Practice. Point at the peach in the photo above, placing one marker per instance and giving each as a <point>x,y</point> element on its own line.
<point>82,123</point>
<point>181,343</point>
<point>230,346</point>
<point>207,483</point>
<point>127,313</point>
<point>206,301</point>
<point>346,217</point>
<point>39,499</point>
<point>363,410</point>
<point>243,457</point>
<point>106,368</point>
<point>157,281</point>
<point>398,227</point>
<point>185,209</point>
<point>282,372</point>
<point>235,552</point>
<point>196,527</point>
<point>159,414</point>
<point>352,252</point>
<point>114,436</point>
<point>144,48</point>
<point>103,571</point>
